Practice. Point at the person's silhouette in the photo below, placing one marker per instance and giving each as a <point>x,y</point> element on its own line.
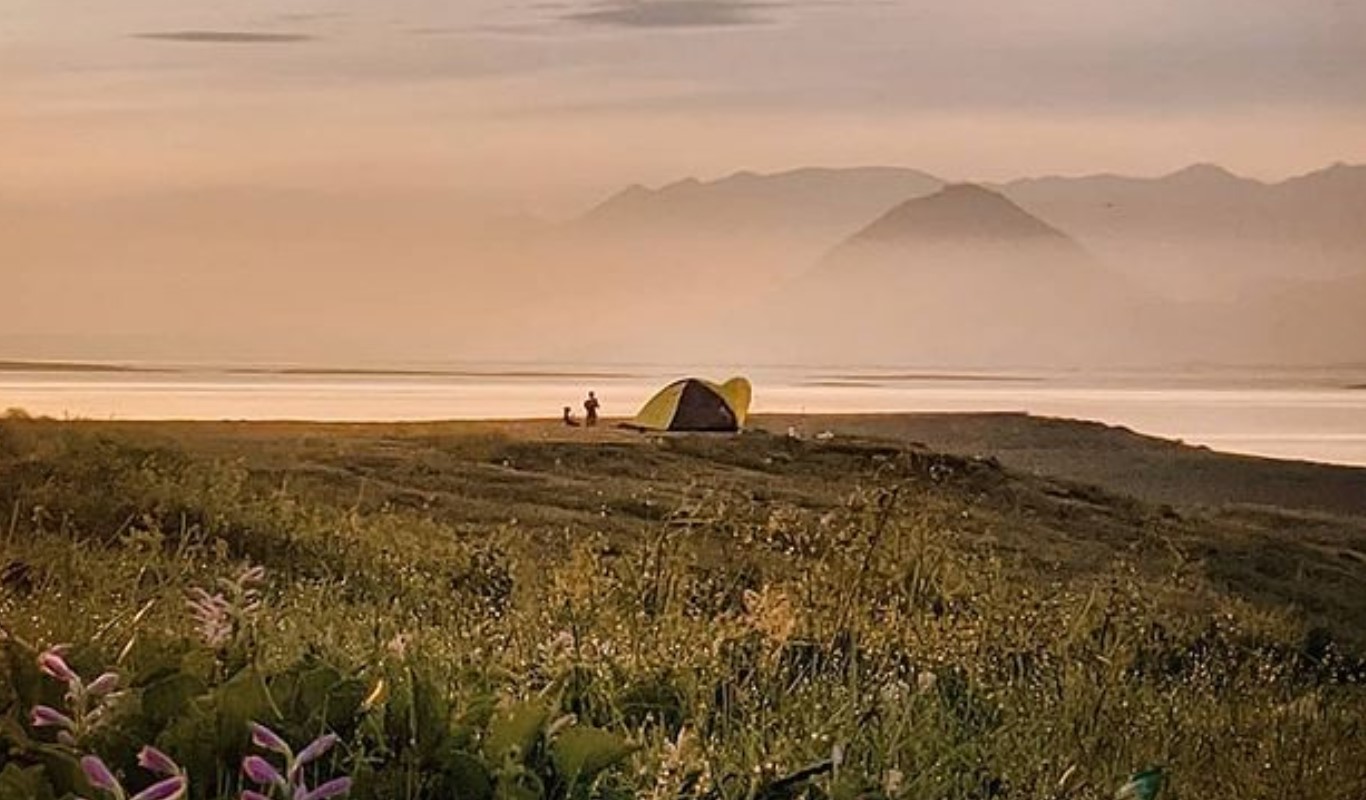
<point>590,410</point>
<point>569,418</point>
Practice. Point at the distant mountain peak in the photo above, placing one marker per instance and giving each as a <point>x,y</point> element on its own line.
<point>1204,172</point>
<point>958,212</point>
<point>1336,170</point>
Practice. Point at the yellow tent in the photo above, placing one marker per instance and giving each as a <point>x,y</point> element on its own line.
<point>692,404</point>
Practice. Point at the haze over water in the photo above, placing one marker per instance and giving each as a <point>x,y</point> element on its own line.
<point>330,182</point>
<point>1298,414</point>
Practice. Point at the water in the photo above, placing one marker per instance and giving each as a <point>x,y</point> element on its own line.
<point>1288,414</point>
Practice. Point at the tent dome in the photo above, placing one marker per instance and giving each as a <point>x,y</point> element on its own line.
<point>693,404</point>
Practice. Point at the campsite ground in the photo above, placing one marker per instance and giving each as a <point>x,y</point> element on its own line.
<point>1089,601</point>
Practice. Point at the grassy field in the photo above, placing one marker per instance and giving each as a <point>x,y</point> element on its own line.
<point>518,610</point>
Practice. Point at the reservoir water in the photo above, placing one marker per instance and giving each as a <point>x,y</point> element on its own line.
<point>1312,415</point>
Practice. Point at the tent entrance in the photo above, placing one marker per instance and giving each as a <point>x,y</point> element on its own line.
<point>702,409</point>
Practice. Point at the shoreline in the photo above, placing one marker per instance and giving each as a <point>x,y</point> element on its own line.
<point>1120,460</point>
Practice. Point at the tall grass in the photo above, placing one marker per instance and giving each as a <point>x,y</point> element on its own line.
<point>735,647</point>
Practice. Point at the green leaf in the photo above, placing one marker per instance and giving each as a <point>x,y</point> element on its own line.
<point>430,712</point>
<point>580,753</point>
<point>14,734</point>
<point>29,685</point>
<point>61,769</point>
<point>344,700</point>
<point>170,697</point>
<point>193,739</point>
<point>513,732</point>
<point>475,718</point>
<point>522,786</point>
<point>313,687</point>
<point>466,778</point>
<point>25,784</point>
<point>479,712</point>
<point>241,699</point>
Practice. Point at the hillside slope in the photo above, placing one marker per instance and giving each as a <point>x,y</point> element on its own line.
<point>961,277</point>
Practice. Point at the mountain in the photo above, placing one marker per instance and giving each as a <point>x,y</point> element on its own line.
<point>709,249</point>
<point>812,203</point>
<point>1196,234</point>
<point>963,277</point>
<point>959,213</point>
<point>1205,233</point>
<point>1327,205</point>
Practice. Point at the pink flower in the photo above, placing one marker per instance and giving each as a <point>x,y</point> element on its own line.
<point>153,760</point>
<point>333,788</point>
<point>169,789</point>
<point>267,739</point>
<point>49,717</point>
<point>316,750</point>
<point>213,617</point>
<point>104,684</point>
<point>262,772</point>
<point>99,775</point>
<point>53,664</point>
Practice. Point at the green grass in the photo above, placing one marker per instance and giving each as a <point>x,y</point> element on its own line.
<point>737,609</point>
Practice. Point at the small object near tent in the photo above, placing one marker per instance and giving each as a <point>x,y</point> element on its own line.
<point>692,404</point>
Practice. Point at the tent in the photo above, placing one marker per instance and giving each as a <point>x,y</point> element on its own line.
<point>692,404</point>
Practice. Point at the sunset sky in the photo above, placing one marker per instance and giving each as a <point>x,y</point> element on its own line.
<point>544,107</point>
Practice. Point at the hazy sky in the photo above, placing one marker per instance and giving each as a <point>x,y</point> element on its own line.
<point>546,106</point>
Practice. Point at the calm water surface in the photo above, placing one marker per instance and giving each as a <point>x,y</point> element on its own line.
<point>1315,416</point>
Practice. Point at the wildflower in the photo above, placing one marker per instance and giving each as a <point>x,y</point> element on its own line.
<point>261,772</point>
<point>105,684</point>
<point>49,717</point>
<point>86,705</point>
<point>333,788</point>
<point>168,789</point>
<point>173,787</point>
<point>52,662</point>
<point>267,739</point>
<point>212,616</point>
<point>155,761</point>
<point>99,776</point>
<point>220,616</point>
<point>290,783</point>
<point>315,750</point>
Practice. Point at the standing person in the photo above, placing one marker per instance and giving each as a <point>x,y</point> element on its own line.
<point>590,410</point>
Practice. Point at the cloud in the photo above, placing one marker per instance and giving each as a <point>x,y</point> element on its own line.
<point>672,13</point>
<point>308,16</point>
<point>225,37</point>
<point>489,30</point>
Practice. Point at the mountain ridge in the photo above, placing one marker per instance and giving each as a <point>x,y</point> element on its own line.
<point>808,201</point>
